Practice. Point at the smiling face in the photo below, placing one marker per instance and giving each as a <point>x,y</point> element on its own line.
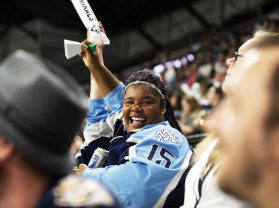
<point>142,106</point>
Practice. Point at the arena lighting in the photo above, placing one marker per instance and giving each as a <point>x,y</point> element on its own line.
<point>177,63</point>
<point>158,69</point>
<point>191,57</point>
<point>183,60</point>
<point>168,64</point>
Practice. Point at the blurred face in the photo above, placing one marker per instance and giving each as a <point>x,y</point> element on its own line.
<point>234,66</point>
<point>239,122</point>
<point>142,106</point>
<point>186,107</point>
<point>173,101</point>
<point>211,94</point>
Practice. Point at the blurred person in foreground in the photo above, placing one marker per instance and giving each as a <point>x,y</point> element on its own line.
<point>201,189</point>
<point>41,109</point>
<point>248,125</point>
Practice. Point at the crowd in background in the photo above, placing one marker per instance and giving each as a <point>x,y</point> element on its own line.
<point>195,72</point>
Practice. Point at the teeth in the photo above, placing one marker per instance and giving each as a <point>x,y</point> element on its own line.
<point>137,118</point>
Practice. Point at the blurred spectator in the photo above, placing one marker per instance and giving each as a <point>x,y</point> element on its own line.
<point>175,97</point>
<point>202,176</point>
<point>214,95</point>
<point>36,135</point>
<point>191,74</point>
<point>170,74</point>
<point>219,74</point>
<point>249,140</point>
<point>220,62</point>
<point>190,108</point>
<point>197,90</point>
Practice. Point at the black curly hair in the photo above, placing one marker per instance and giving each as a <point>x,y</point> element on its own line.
<point>150,77</point>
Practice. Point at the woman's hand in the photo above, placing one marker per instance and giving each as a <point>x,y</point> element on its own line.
<point>81,168</point>
<point>90,58</point>
<point>101,46</point>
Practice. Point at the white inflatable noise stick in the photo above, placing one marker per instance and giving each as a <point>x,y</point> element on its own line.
<point>89,20</point>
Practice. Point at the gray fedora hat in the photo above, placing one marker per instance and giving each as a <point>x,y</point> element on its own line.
<point>41,110</point>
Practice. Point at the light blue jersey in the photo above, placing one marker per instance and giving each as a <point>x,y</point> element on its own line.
<point>146,168</point>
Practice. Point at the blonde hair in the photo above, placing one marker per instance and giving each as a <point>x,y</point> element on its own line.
<point>203,145</point>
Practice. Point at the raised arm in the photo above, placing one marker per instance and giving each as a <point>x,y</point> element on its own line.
<point>97,132</point>
<point>105,80</point>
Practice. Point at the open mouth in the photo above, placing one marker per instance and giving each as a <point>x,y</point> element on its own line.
<point>137,122</point>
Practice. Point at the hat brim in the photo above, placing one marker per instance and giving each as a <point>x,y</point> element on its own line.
<point>56,164</point>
